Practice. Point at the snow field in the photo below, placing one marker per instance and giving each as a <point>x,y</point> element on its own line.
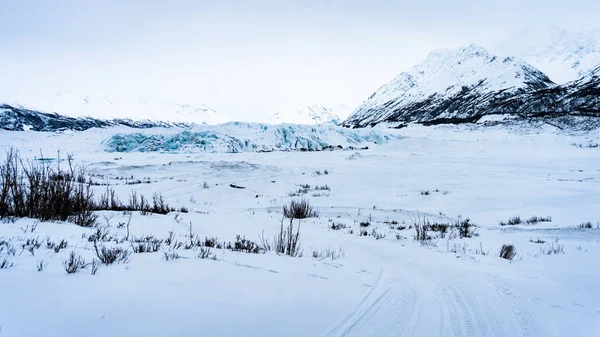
<point>391,286</point>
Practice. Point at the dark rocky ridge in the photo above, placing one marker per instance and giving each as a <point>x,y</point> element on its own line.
<point>19,119</point>
<point>537,97</point>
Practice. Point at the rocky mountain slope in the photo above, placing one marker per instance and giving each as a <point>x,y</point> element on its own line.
<point>21,119</point>
<point>117,107</point>
<point>461,84</point>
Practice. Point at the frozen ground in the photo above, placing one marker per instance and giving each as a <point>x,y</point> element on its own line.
<point>387,287</point>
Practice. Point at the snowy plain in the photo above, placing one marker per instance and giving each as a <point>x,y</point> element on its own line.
<point>391,286</point>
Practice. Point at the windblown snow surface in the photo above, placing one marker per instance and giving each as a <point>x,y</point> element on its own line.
<point>244,137</point>
<point>384,284</point>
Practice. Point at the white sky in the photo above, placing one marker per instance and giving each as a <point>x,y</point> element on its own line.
<point>247,58</point>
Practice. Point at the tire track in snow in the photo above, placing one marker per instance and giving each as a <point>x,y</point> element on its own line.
<point>413,299</point>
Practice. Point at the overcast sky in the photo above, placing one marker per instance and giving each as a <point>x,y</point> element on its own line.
<point>247,57</point>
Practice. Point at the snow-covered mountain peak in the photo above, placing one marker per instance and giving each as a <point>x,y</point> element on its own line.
<point>449,84</point>
<point>312,114</point>
<point>447,71</point>
<point>563,55</point>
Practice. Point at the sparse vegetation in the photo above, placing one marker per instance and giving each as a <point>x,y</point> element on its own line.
<point>56,246</point>
<point>244,245</point>
<point>41,265</point>
<point>74,263</point>
<point>466,229</point>
<point>515,220</point>
<point>205,253</point>
<point>535,219</point>
<point>508,252</point>
<point>328,253</point>
<point>38,190</point>
<point>552,248</point>
<point>5,264</point>
<point>338,226</point>
<point>299,209</point>
<point>145,245</point>
<point>111,255</point>
<point>287,242</point>
<point>171,255</point>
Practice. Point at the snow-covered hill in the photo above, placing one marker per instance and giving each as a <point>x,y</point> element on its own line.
<point>454,84</point>
<point>312,114</point>
<point>134,108</point>
<point>561,54</point>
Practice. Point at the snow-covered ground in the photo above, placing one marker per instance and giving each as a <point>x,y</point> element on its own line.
<point>391,286</point>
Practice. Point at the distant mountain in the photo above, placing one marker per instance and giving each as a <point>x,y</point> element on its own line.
<point>105,107</point>
<point>563,55</point>
<point>20,119</point>
<point>449,85</point>
<point>312,114</point>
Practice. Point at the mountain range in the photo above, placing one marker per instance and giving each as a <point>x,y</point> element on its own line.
<point>463,85</point>
<point>561,54</point>
<point>313,114</point>
<point>106,107</point>
<point>541,72</point>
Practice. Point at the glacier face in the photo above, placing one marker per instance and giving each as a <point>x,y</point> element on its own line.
<point>449,84</point>
<point>248,137</point>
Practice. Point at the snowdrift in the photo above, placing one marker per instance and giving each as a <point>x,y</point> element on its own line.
<point>248,137</point>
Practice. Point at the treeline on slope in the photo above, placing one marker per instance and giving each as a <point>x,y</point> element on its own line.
<point>40,190</point>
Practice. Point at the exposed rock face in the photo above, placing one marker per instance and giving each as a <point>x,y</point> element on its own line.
<point>19,119</point>
<point>466,84</point>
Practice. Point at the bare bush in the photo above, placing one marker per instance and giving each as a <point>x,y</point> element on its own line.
<point>466,229</point>
<point>287,241</point>
<point>110,202</point>
<point>146,245</point>
<point>41,265</point>
<point>421,226</point>
<point>535,219</point>
<point>171,255</point>
<point>265,244</point>
<point>515,220</point>
<point>205,253</point>
<point>95,266</point>
<point>31,245</point>
<point>39,190</point>
<point>111,255</point>
<point>299,209</point>
<point>328,253</point>
<point>5,264</point>
<point>56,246</point>
<point>244,245</point>
<point>553,248</point>
<point>338,226</point>
<point>74,263</point>
<point>508,252</point>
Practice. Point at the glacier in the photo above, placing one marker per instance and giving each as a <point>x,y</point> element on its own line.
<point>235,137</point>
